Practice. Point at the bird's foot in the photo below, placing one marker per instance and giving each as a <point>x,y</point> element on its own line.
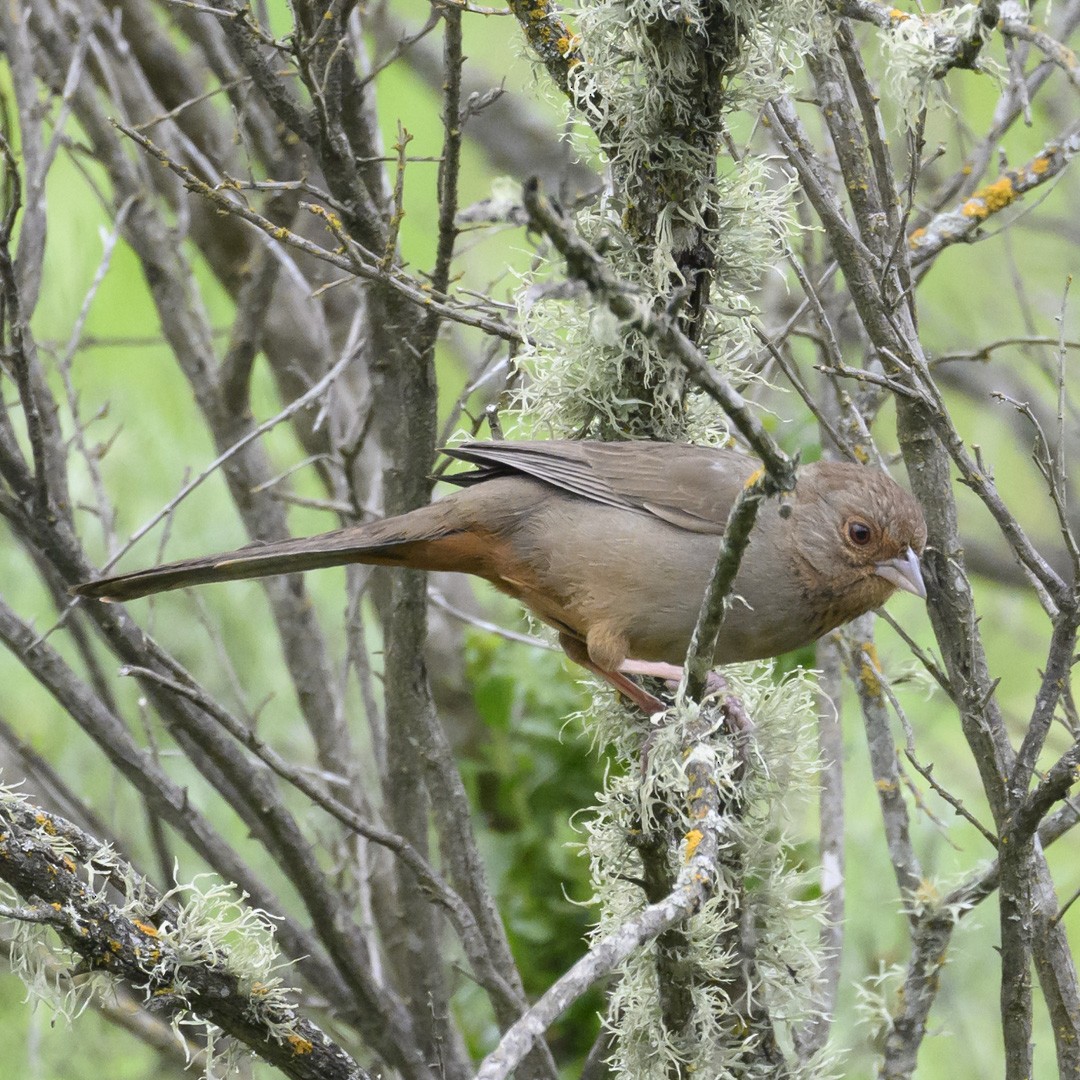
<point>649,704</point>
<point>736,718</point>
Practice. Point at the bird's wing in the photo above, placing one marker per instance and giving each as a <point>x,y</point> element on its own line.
<point>693,487</point>
<point>561,463</point>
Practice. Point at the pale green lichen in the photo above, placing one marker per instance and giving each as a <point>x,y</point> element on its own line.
<point>33,958</point>
<point>876,998</point>
<point>578,351</point>
<point>642,81</point>
<point>776,779</point>
<point>915,49</point>
<point>211,926</point>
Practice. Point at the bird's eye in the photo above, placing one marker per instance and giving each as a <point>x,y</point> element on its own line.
<point>859,532</point>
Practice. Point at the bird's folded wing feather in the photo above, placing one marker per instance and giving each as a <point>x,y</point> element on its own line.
<point>692,487</point>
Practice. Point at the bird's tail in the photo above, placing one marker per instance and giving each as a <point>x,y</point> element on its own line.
<point>419,539</point>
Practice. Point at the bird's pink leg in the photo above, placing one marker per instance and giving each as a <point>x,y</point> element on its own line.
<point>652,669</point>
<point>645,701</point>
<point>670,673</point>
<point>648,703</point>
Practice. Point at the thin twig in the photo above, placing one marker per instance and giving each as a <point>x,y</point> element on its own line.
<point>312,395</point>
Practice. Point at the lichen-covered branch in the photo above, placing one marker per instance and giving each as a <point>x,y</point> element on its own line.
<point>710,621</point>
<point>702,852</point>
<point>551,38</point>
<point>143,940</point>
<point>864,670</point>
<point>963,224</point>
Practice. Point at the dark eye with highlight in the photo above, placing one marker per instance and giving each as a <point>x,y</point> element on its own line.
<point>859,533</point>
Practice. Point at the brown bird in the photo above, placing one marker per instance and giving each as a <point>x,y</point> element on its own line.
<point>612,544</point>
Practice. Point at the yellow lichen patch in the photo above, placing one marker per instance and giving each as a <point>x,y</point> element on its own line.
<point>693,839</point>
<point>300,1045</point>
<point>754,477</point>
<point>990,199</point>
<point>146,928</point>
<point>871,683</point>
<point>45,823</point>
<point>1041,164</point>
<point>886,786</point>
<point>915,237</point>
<point>898,16</point>
<point>869,670</point>
<point>115,946</point>
<point>567,44</point>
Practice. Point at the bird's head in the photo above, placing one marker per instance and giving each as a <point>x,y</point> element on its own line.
<point>858,537</point>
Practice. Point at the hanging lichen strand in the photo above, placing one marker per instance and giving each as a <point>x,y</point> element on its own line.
<point>652,83</point>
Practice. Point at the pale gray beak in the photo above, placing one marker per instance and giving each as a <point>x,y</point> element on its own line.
<point>904,573</point>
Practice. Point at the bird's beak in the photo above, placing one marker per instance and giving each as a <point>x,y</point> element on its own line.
<point>904,573</point>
